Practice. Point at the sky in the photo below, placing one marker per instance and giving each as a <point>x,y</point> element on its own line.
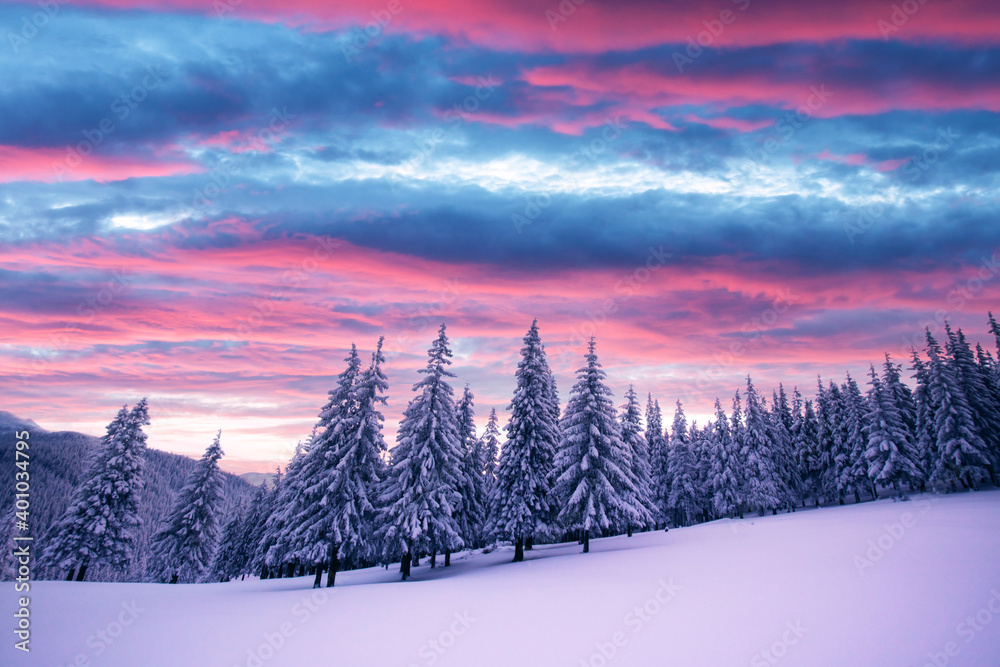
<point>206,203</point>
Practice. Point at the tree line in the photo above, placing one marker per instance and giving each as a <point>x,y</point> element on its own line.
<point>346,501</point>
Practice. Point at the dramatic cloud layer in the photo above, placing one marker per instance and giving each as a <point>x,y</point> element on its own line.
<point>207,203</point>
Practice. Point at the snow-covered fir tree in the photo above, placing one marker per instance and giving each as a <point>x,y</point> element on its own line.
<point>338,519</point>
<point>473,488</point>
<point>833,457</point>
<point>420,496</point>
<point>854,473</point>
<point>724,473</point>
<point>229,561</point>
<point>594,489</point>
<point>300,527</point>
<point>659,471</point>
<point>184,547</point>
<point>891,455</point>
<point>981,400</point>
<point>961,455</point>
<point>805,443</point>
<point>100,525</point>
<point>780,423</point>
<point>683,500</point>
<point>521,504</point>
<point>637,451</point>
<point>760,485</point>
<point>491,449</point>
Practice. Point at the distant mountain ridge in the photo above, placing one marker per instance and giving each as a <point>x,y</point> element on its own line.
<point>59,460</point>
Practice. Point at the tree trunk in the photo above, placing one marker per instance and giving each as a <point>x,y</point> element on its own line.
<point>174,578</point>
<point>447,558</point>
<point>586,541</point>
<point>318,580</point>
<point>82,573</point>
<point>291,569</point>
<point>857,496</point>
<point>71,575</point>
<point>405,564</point>
<point>243,576</point>
<point>518,550</point>
<point>529,542</point>
<point>334,564</point>
<point>434,558</point>
<point>630,530</point>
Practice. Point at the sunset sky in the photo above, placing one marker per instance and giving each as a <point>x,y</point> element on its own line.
<point>205,202</point>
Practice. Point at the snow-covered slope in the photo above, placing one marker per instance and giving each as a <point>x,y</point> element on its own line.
<point>882,583</point>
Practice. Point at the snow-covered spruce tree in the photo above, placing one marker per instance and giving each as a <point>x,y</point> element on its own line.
<point>280,545</point>
<point>961,455</point>
<point>787,472</point>
<point>491,449</point>
<point>339,517</point>
<point>805,442</point>
<point>521,503</point>
<point>637,450</point>
<point>701,449</point>
<point>683,500</point>
<point>760,486</point>
<point>420,496</point>
<point>101,523</point>
<point>299,528</point>
<point>594,488</point>
<point>985,411</point>
<point>901,394</point>
<point>254,532</point>
<point>833,457</point>
<point>473,487</point>
<point>854,474</point>
<point>891,455</point>
<point>658,461</point>
<point>229,557</point>
<point>184,547</point>
<point>924,434</point>
<point>724,474</point>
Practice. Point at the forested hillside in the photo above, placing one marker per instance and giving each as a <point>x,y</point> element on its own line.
<point>58,462</point>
